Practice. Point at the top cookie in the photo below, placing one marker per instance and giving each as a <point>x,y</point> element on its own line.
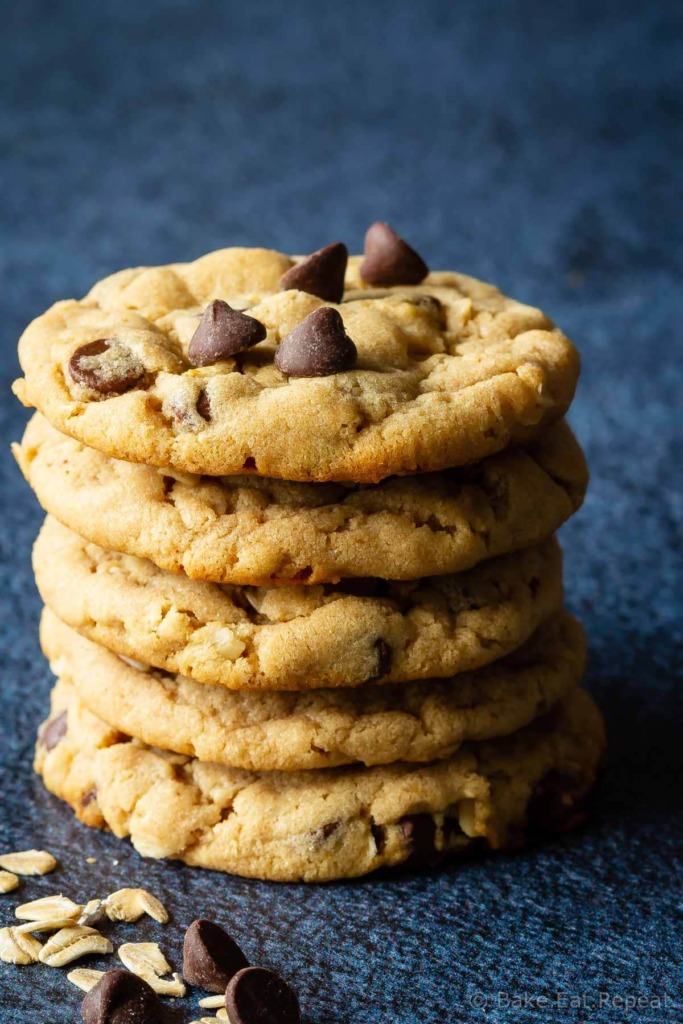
<point>410,378</point>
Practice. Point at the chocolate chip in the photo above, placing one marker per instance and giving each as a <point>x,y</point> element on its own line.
<point>54,731</point>
<point>121,998</point>
<point>259,996</point>
<point>419,830</point>
<point>321,273</point>
<point>384,657</point>
<point>319,836</point>
<point>389,260</point>
<point>89,797</point>
<point>210,956</point>
<point>379,834</point>
<point>317,347</point>
<point>555,804</point>
<point>222,333</point>
<point>204,406</point>
<point>106,366</point>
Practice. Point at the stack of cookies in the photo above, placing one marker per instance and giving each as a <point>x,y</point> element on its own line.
<point>302,592</point>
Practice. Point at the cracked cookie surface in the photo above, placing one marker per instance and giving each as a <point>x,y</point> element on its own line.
<point>448,372</point>
<point>279,731</point>
<point>330,823</point>
<point>299,637</point>
<point>250,530</point>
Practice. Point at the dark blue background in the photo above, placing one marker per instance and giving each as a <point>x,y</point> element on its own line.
<point>529,143</point>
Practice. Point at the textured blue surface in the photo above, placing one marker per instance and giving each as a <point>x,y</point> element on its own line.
<point>532,144</point>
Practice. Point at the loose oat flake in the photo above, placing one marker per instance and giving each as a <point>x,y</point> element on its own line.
<point>28,862</point>
<point>141,957</point>
<point>48,908</point>
<point>16,948</point>
<point>50,924</point>
<point>71,943</point>
<point>84,978</point>
<point>212,1002</point>
<point>8,881</point>
<point>130,904</point>
<point>92,912</point>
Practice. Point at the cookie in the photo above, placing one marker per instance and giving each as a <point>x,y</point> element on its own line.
<point>263,532</point>
<point>280,731</point>
<point>331,823</point>
<point>408,379</point>
<point>297,638</point>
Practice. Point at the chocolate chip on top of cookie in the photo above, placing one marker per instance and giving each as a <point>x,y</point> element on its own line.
<point>222,333</point>
<point>321,273</point>
<point>106,366</point>
<point>389,260</point>
<point>318,347</point>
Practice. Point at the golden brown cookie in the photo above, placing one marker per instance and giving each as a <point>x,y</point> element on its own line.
<point>278,731</point>
<point>297,638</point>
<point>316,826</point>
<point>437,374</point>
<point>264,532</point>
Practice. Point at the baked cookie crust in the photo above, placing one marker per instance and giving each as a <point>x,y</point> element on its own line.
<point>253,531</point>
<point>299,637</point>
<point>316,826</point>
<point>448,372</point>
<point>279,731</point>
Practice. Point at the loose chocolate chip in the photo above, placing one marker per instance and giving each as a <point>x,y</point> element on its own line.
<point>106,366</point>
<point>419,830</point>
<point>222,333</point>
<point>210,956</point>
<point>321,273</point>
<point>259,996</point>
<point>121,998</point>
<point>317,347</point>
<point>389,260</point>
<point>54,731</point>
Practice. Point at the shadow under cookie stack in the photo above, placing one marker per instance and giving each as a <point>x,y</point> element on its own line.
<point>302,592</point>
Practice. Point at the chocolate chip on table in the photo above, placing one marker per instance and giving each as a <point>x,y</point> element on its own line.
<point>321,273</point>
<point>317,347</point>
<point>222,333</point>
<point>54,731</point>
<point>121,998</point>
<point>210,957</point>
<point>389,260</point>
<point>259,996</point>
<point>106,366</point>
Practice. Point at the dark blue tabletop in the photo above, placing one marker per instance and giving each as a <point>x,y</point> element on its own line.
<point>532,144</point>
